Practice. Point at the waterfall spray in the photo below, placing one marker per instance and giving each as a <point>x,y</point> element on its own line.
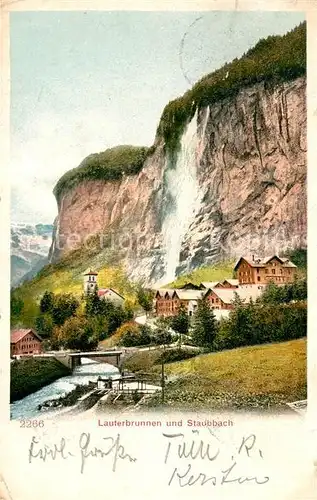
<point>182,195</point>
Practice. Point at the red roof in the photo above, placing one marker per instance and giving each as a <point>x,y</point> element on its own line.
<point>17,335</point>
<point>106,291</point>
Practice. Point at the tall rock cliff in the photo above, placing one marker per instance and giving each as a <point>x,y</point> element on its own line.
<point>236,185</point>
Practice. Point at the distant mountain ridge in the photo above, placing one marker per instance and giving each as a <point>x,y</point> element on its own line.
<point>30,244</point>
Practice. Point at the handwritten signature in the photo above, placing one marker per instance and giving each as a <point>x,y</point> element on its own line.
<point>208,452</point>
<point>112,448</point>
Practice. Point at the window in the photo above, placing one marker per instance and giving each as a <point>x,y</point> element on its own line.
<point>273,271</point>
<point>257,270</point>
<point>213,301</point>
<point>266,271</point>
<point>259,278</point>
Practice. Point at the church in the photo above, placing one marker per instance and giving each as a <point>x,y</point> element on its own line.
<point>91,284</point>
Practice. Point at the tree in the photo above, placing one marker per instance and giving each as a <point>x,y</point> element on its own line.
<point>145,298</point>
<point>300,289</point>
<point>205,326</point>
<point>273,294</point>
<point>242,324</point>
<point>44,325</point>
<point>93,304</point>
<point>135,335</point>
<point>101,309</point>
<point>180,322</point>
<point>65,306</point>
<point>76,333</point>
<point>47,302</point>
<point>16,304</point>
<point>162,337</point>
<point>100,326</point>
<point>115,316</point>
<point>162,334</point>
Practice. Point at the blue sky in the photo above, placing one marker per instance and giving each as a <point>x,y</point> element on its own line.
<point>85,81</point>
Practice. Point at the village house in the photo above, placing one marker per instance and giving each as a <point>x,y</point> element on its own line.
<point>262,271</point>
<point>164,305</point>
<point>220,298</point>
<point>168,301</point>
<point>91,284</point>
<point>226,283</point>
<point>252,277</point>
<point>25,341</point>
<point>112,295</point>
<point>223,298</point>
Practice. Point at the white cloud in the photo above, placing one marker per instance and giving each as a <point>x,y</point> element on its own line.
<point>51,145</point>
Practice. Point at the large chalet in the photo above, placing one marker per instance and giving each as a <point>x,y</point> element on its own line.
<point>252,277</point>
<point>274,269</point>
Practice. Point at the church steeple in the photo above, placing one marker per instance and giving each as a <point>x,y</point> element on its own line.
<point>90,281</point>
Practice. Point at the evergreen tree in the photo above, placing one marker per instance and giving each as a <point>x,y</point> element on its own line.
<point>273,294</point>
<point>180,322</point>
<point>205,325</point>
<point>93,304</point>
<point>16,304</point>
<point>145,298</point>
<point>47,302</point>
<point>243,324</point>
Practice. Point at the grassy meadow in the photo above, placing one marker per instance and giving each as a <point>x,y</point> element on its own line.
<point>264,376</point>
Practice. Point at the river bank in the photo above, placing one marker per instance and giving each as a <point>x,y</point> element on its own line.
<point>66,400</point>
<point>31,374</point>
<point>89,371</point>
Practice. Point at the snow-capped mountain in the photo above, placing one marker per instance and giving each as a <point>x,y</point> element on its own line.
<point>30,245</point>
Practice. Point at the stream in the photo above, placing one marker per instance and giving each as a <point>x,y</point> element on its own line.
<point>89,370</point>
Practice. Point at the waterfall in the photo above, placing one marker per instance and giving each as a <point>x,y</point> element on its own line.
<point>181,198</point>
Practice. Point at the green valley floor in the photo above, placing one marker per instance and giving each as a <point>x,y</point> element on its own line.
<point>249,378</point>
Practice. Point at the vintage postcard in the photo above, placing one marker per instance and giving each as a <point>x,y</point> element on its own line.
<point>159,221</point>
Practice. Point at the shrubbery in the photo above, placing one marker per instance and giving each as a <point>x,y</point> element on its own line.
<point>172,355</point>
<point>136,335</point>
<point>261,323</point>
<point>29,375</point>
<point>274,294</point>
<point>110,165</point>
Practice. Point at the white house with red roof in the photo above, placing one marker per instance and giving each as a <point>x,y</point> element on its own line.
<point>91,284</point>
<point>112,295</point>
